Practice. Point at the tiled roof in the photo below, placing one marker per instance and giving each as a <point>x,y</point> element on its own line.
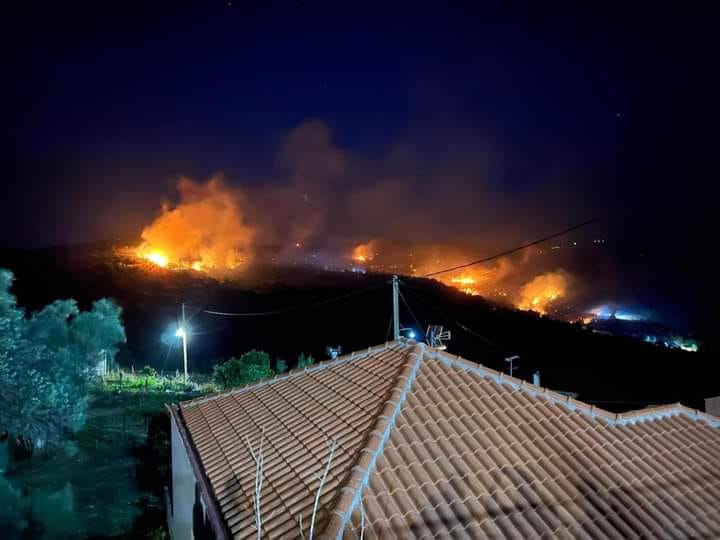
<point>430,445</point>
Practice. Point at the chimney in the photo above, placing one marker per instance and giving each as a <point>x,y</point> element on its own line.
<point>712,406</point>
<point>536,378</point>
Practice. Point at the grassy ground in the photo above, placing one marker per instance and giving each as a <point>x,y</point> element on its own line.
<point>108,480</point>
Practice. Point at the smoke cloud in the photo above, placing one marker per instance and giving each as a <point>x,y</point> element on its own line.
<point>206,230</point>
<point>411,211</point>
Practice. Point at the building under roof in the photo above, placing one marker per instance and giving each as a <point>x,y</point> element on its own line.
<point>431,445</point>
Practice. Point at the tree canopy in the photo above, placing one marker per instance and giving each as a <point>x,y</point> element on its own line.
<point>48,361</point>
<point>250,367</point>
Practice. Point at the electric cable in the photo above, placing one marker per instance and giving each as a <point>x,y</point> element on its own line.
<point>460,325</point>
<point>517,248</point>
<point>294,308</point>
<point>420,327</point>
<point>389,330</point>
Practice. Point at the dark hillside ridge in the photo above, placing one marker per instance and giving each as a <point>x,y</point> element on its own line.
<point>618,373</point>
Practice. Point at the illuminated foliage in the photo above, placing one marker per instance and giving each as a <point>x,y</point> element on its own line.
<point>250,367</point>
<point>48,363</point>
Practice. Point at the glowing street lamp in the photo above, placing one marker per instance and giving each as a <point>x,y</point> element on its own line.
<point>410,332</point>
<point>181,333</point>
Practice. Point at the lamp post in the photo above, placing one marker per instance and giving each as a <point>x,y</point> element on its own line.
<point>181,333</point>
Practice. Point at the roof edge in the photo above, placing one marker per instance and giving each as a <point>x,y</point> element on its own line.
<point>325,364</point>
<point>351,493</point>
<point>628,417</point>
<point>215,516</point>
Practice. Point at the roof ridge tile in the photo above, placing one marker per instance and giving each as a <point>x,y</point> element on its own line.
<point>380,432</point>
<point>629,417</point>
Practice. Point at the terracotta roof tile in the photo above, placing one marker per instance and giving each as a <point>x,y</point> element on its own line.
<point>434,446</point>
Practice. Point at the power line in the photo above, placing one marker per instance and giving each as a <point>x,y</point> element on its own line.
<point>294,308</point>
<point>517,248</point>
<point>460,325</point>
<point>389,330</point>
<point>420,328</point>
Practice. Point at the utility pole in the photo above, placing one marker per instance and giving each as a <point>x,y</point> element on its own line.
<point>396,308</point>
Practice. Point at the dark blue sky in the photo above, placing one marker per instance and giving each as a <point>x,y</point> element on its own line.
<point>107,103</point>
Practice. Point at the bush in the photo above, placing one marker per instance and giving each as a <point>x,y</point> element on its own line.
<point>250,367</point>
<point>148,371</point>
<point>305,361</point>
<point>48,364</point>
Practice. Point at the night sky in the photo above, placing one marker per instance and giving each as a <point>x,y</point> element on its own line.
<point>548,116</point>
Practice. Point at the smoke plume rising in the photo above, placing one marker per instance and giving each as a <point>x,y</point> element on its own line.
<point>404,213</point>
<point>205,231</point>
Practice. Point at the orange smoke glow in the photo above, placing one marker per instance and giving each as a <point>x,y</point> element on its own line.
<point>206,231</point>
<point>539,293</point>
<point>466,283</point>
<point>363,253</point>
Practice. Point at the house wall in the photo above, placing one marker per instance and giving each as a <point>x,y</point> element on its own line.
<point>180,522</point>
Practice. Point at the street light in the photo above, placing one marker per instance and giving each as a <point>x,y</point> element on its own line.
<point>410,332</point>
<point>181,333</point>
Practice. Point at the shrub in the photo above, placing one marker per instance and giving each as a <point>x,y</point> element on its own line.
<point>305,361</point>
<point>148,371</point>
<point>250,367</point>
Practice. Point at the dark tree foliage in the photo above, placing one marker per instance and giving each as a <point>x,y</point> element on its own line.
<point>48,362</point>
<point>250,367</point>
<point>305,361</point>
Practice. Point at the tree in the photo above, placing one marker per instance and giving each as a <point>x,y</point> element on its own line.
<point>305,361</point>
<point>281,365</point>
<point>48,363</point>
<point>250,367</point>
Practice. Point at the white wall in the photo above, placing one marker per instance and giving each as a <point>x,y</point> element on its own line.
<point>183,488</point>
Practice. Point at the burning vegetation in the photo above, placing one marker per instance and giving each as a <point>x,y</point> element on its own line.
<point>206,231</point>
<point>308,216</point>
<point>541,292</point>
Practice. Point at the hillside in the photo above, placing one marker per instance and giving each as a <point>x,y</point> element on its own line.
<point>617,373</point>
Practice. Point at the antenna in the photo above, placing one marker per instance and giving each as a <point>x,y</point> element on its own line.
<point>333,352</point>
<point>510,360</point>
<point>435,335</point>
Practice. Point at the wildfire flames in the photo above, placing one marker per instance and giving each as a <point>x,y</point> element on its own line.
<point>364,253</point>
<point>500,279</point>
<point>539,293</point>
<point>205,231</point>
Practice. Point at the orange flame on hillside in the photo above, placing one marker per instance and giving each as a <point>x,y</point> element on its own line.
<point>466,282</point>
<point>364,253</point>
<point>539,293</point>
<point>204,232</point>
